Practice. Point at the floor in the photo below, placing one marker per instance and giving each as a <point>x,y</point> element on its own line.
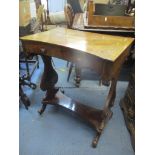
<point>58,132</point>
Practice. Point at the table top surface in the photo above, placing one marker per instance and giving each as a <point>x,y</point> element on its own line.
<point>107,47</point>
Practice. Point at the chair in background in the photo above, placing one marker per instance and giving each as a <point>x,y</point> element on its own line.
<point>125,9</point>
<point>69,15</point>
<point>25,79</point>
<point>71,8</point>
<point>52,19</point>
<point>22,96</point>
<point>25,62</point>
<point>32,28</point>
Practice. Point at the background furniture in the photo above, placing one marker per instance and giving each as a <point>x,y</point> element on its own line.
<point>25,79</point>
<point>53,17</point>
<point>23,59</point>
<point>77,21</point>
<point>26,26</point>
<point>108,16</point>
<point>71,9</point>
<point>22,96</point>
<point>127,105</point>
<point>75,4</point>
<point>69,15</point>
<point>78,24</point>
<point>24,13</point>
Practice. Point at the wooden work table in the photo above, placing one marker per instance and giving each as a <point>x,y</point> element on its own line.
<point>103,53</point>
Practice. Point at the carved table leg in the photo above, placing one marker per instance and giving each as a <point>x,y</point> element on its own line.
<point>48,81</point>
<point>106,113</point>
<point>78,75</point>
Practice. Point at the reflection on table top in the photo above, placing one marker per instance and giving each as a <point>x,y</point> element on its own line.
<point>107,47</point>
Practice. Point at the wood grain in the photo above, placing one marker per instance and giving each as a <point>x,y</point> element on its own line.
<point>106,47</point>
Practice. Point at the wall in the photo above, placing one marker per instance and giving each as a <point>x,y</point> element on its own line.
<point>56,5</point>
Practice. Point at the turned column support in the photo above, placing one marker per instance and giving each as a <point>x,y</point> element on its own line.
<point>78,75</point>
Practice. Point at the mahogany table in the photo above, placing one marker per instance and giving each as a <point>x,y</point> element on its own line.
<point>103,53</point>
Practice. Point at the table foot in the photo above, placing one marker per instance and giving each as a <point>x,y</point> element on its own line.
<point>96,139</point>
<point>49,99</point>
<point>106,118</point>
<point>42,109</point>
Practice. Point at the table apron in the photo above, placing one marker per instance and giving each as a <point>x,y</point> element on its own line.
<point>104,68</point>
